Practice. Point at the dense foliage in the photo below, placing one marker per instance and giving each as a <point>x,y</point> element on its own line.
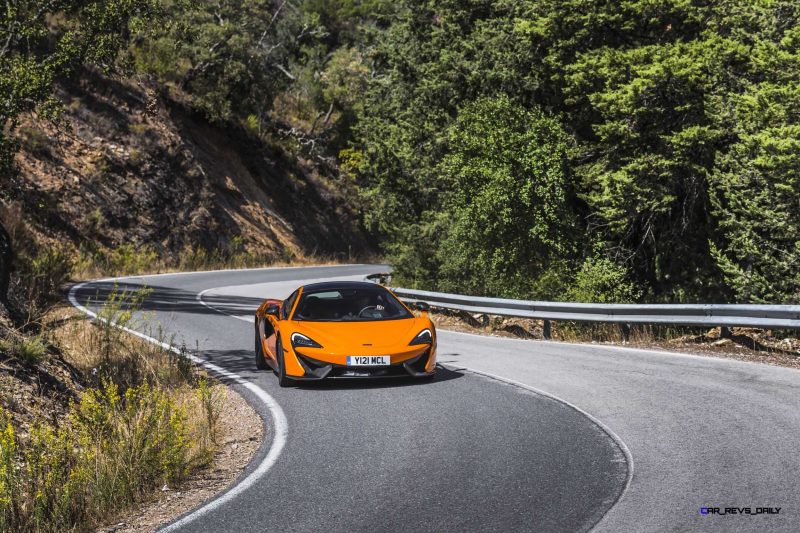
<point>583,149</point>
<point>684,167</point>
<point>287,66</point>
<point>506,216</point>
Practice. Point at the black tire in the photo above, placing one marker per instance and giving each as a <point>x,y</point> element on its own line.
<point>283,379</point>
<point>261,363</point>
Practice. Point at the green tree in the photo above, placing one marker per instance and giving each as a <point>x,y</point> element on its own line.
<point>654,95</point>
<point>507,206</point>
<point>232,56</point>
<point>600,280</point>
<point>756,182</point>
<point>43,40</point>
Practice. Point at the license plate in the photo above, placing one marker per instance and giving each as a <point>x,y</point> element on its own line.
<point>368,360</point>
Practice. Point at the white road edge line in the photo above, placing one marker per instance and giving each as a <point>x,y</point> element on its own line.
<point>603,427</point>
<point>281,425</point>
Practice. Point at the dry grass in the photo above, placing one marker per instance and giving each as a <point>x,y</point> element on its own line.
<point>101,351</point>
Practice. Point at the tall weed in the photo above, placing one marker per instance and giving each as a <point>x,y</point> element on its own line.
<point>210,398</point>
<point>105,352</point>
<point>29,350</point>
<point>114,449</point>
<point>40,277</point>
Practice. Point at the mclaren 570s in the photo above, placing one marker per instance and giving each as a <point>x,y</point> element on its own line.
<point>344,330</point>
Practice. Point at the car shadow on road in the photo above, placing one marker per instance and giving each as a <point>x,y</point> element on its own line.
<point>442,374</point>
<point>166,299</point>
<point>242,362</point>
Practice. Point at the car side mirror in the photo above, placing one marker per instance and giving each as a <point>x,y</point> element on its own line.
<point>273,310</point>
<point>421,306</point>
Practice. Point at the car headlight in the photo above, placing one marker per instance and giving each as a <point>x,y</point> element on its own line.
<point>424,337</point>
<point>300,340</point>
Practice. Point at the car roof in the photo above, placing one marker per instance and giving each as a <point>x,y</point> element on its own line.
<point>335,285</point>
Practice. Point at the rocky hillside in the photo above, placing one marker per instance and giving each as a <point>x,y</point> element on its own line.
<point>126,165</point>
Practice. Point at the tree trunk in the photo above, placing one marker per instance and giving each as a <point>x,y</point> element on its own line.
<point>6,258</point>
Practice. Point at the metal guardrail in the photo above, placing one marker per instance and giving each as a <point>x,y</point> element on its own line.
<point>758,316</point>
<point>703,315</point>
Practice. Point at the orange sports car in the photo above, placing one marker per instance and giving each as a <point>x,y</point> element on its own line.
<point>344,330</point>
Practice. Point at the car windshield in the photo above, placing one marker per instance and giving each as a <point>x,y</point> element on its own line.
<point>344,305</point>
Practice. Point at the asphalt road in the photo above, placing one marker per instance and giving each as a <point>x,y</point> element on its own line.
<point>467,452</point>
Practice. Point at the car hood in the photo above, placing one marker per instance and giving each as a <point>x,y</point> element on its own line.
<point>378,333</point>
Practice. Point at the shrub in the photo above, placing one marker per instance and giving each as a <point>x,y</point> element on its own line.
<point>29,350</point>
<point>10,512</point>
<point>35,141</point>
<point>95,221</point>
<point>40,279</point>
<point>56,479</point>
<point>253,124</point>
<point>600,280</point>
<point>114,450</point>
<point>139,440</point>
<point>139,129</point>
<point>129,259</point>
<point>125,259</point>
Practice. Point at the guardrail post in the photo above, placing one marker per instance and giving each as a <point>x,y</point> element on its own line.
<point>625,330</point>
<point>546,330</point>
<point>725,332</point>
<point>485,320</point>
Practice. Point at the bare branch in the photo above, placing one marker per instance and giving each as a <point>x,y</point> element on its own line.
<point>328,115</point>
<point>201,67</point>
<point>271,22</point>
<point>286,72</point>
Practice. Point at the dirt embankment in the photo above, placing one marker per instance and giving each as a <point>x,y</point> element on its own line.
<point>126,165</point>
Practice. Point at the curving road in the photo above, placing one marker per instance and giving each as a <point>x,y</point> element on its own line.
<point>552,451</point>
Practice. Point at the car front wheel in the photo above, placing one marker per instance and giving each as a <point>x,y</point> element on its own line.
<point>283,379</point>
